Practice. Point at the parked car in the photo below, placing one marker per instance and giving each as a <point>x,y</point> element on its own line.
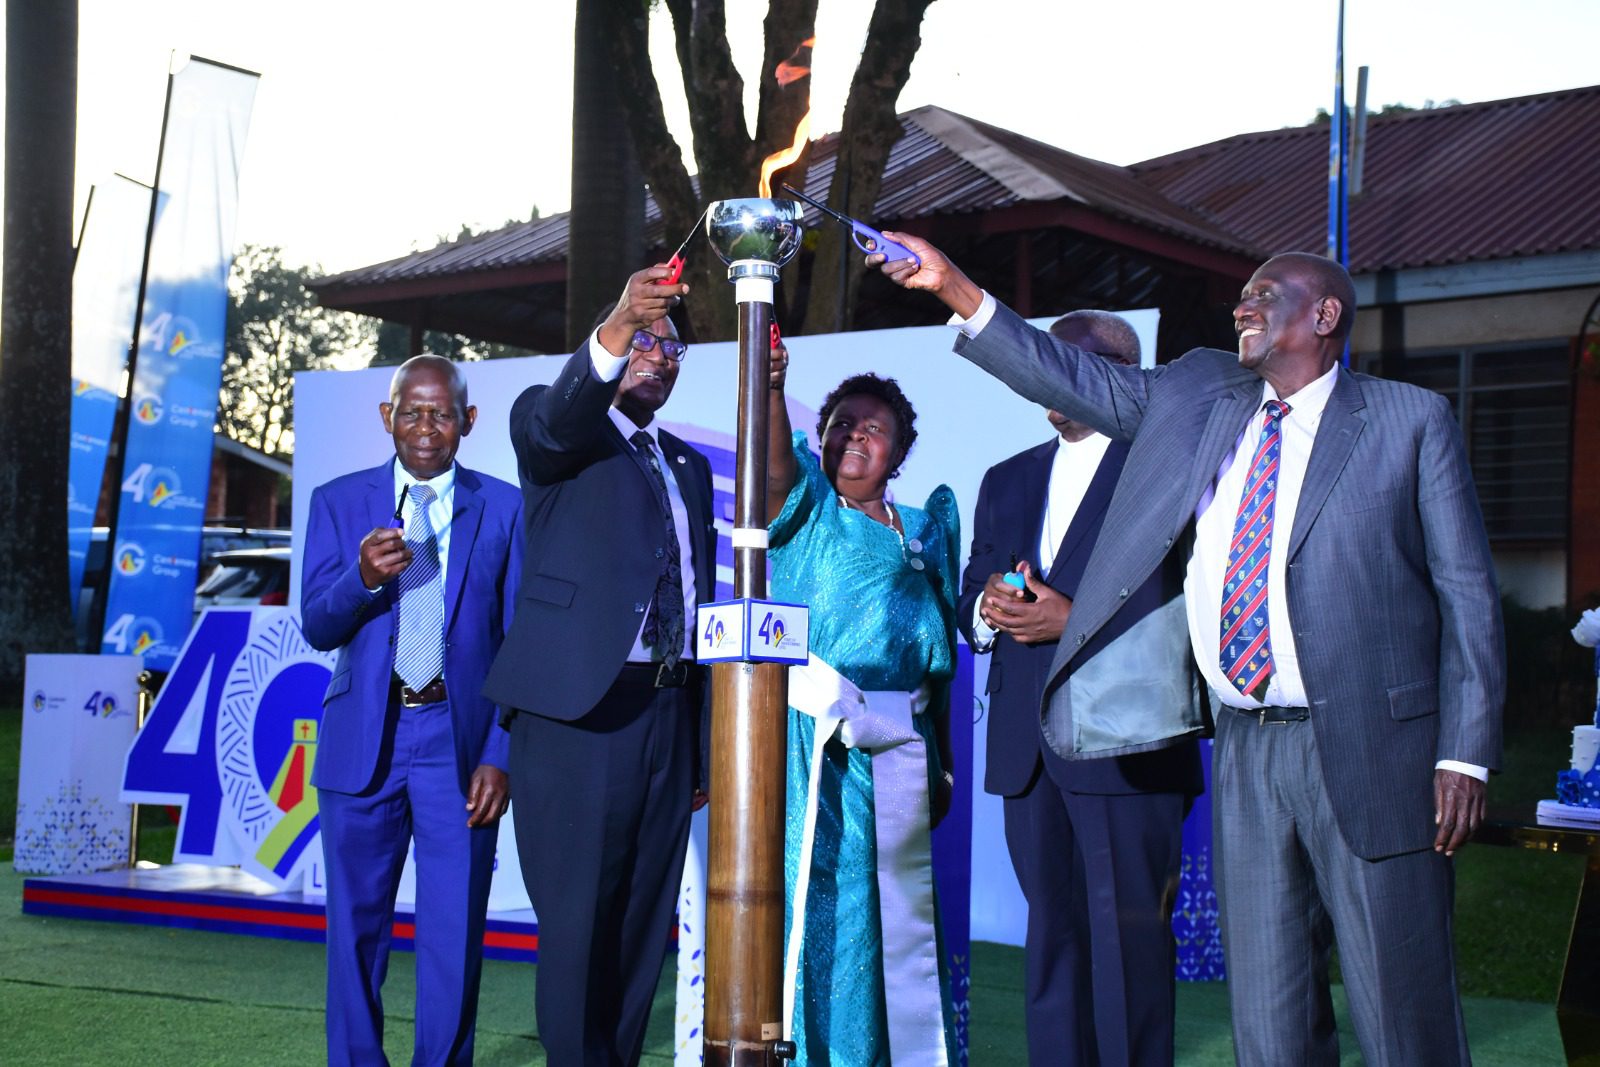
<point>214,542</point>
<point>244,577</point>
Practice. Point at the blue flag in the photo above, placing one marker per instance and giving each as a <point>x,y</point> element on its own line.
<point>167,468</point>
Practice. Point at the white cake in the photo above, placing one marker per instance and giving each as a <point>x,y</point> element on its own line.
<point>1585,748</point>
<point>1581,784</point>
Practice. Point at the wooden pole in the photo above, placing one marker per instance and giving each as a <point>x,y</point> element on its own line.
<point>749,701</point>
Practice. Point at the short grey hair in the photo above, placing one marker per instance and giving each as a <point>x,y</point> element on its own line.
<point>1104,333</point>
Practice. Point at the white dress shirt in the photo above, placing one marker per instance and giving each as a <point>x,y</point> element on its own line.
<point>1072,468</point>
<point>1214,521</point>
<point>440,509</point>
<point>608,368</point>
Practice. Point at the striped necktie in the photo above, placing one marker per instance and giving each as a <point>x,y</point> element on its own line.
<point>663,624</point>
<point>419,642</point>
<point>1246,656</point>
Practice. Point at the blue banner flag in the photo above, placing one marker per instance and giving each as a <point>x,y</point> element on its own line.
<point>105,295</point>
<point>178,368</point>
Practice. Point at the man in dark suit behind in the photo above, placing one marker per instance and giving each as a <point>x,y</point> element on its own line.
<point>1096,844</point>
<point>1341,604</point>
<point>411,750</point>
<point>620,547</point>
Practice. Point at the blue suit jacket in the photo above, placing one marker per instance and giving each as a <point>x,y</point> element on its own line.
<point>1006,525</point>
<point>596,535</point>
<point>338,613</point>
<point>1391,590</point>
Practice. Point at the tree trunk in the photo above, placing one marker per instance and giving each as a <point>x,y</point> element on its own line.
<point>870,129</point>
<point>605,236</point>
<point>729,158</point>
<point>36,331</point>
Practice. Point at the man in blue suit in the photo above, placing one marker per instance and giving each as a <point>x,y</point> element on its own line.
<point>1097,844</point>
<point>410,573</point>
<point>599,666</point>
<point>1340,601</point>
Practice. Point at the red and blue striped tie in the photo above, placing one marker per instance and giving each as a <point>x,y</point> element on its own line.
<point>1246,658</point>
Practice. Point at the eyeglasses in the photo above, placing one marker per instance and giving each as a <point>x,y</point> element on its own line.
<point>671,349</point>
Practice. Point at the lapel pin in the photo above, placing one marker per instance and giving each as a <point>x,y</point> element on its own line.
<point>683,459</point>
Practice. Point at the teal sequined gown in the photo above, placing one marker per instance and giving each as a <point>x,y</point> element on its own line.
<point>884,624</point>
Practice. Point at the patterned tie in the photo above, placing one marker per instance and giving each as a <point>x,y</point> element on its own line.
<point>663,623</point>
<point>1246,657</point>
<point>419,645</point>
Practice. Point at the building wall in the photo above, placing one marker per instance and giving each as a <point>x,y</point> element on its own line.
<point>1536,575</point>
<point>1514,318</point>
<point>1584,567</point>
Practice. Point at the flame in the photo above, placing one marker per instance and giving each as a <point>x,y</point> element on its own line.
<point>783,157</point>
<point>788,71</point>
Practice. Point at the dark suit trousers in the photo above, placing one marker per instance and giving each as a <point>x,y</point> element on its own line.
<point>1288,884</point>
<point>602,818</point>
<point>1096,871</point>
<point>418,799</point>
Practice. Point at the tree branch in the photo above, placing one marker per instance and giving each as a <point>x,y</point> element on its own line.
<point>870,129</point>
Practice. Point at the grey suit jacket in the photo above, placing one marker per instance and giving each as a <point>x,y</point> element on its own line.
<point>1391,591</point>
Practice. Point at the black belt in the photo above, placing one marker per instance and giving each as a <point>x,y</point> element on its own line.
<point>1273,715</point>
<point>432,693</point>
<point>656,675</point>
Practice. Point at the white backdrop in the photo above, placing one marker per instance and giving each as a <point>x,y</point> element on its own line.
<point>967,421</point>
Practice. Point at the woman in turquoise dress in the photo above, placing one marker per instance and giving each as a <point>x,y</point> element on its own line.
<point>865,978</point>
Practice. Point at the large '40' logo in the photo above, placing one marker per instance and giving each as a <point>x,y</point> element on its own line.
<point>233,739</point>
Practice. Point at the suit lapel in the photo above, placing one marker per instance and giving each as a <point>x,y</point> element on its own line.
<point>381,501</point>
<point>1228,417</point>
<point>639,459</point>
<point>694,503</point>
<point>466,515</point>
<point>1330,451</point>
<point>382,497</point>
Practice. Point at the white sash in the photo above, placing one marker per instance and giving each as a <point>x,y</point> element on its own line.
<point>880,722</point>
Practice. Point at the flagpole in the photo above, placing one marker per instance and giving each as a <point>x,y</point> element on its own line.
<point>1338,164</point>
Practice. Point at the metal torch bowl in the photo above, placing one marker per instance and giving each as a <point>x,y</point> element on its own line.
<point>752,228</point>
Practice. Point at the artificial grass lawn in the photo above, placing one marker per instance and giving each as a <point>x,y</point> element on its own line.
<point>85,992</point>
<point>78,992</point>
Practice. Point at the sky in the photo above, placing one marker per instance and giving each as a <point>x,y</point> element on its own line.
<point>380,127</point>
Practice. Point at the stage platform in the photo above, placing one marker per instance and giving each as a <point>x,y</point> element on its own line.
<point>227,900</point>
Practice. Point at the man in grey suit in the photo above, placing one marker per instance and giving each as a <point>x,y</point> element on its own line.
<point>1355,656</point>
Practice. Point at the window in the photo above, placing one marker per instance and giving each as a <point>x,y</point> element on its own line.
<point>1514,406</point>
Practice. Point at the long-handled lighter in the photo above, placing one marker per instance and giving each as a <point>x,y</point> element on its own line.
<point>866,238</point>
<point>677,260</point>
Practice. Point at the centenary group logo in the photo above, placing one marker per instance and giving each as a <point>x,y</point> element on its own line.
<point>40,700</point>
<point>718,633</point>
<point>267,729</point>
<point>164,485</point>
<point>130,559</point>
<point>180,341</point>
<point>80,387</point>
<point>148,410</point>
<point>146,633</point>
<point>108,705</point>
<point>778,629</point>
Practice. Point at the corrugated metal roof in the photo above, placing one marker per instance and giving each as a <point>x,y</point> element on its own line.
<point>1484,181</point>
<point>944,164</point>
<point>1473,182</point>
